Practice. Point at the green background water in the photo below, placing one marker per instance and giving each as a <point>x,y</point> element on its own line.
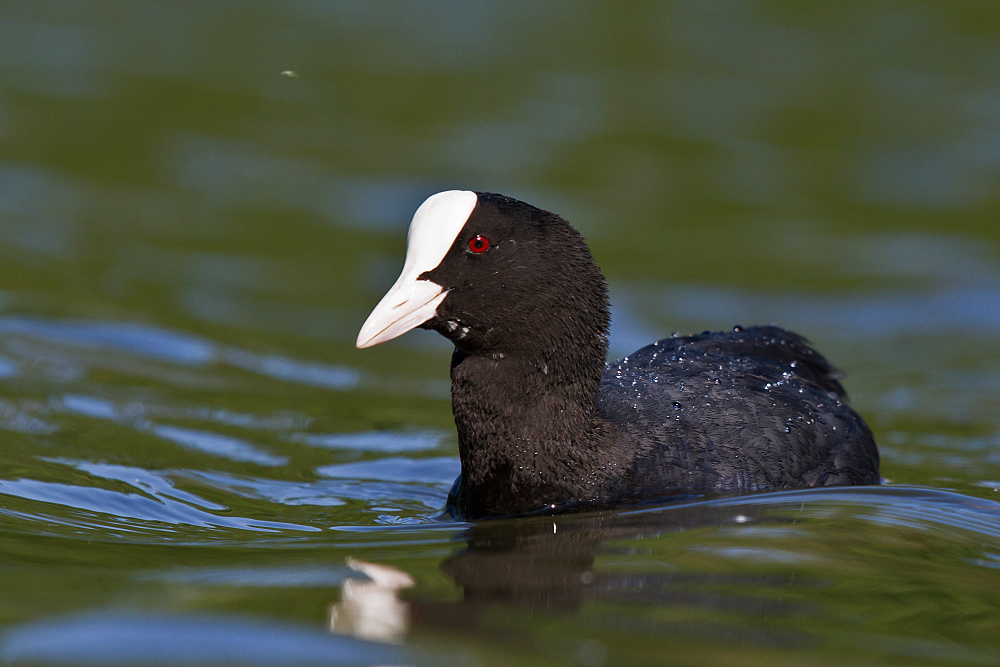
<point>201,201</point>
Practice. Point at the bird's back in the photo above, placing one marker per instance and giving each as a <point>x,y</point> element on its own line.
<point>745,410</point>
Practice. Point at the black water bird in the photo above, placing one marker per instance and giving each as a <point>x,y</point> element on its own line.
<point>544,425</point>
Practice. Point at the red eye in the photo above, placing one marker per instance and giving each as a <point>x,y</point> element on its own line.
<point>479,244</point>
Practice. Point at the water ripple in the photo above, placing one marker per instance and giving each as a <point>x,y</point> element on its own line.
<point>441,470</point>
<point>328,493</point>
<point>207,442</point>
<point>107,638</point>
<point>140,339</point>
<point>908,507</point>
<point>375,441</point>
<point>155,500</point>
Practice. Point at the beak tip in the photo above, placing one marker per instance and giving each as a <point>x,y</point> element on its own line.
<point>363,340</point>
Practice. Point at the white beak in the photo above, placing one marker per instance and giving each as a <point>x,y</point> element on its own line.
<point>411,302</point>
<point>406,306</point>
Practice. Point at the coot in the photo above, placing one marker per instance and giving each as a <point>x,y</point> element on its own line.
<point>544,425</point>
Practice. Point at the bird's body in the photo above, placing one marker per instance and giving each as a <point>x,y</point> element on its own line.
<point>544,425</point>
<point>746,410</point>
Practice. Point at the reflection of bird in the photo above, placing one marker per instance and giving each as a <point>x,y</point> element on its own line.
<point>372,609</point>
<point>543,425</point>
<point>616,567</point>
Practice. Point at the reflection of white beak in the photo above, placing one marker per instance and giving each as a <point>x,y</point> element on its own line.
<point>411,302</point>
<point>371,609</point>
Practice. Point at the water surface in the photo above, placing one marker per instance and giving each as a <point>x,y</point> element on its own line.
<point>201,201</point>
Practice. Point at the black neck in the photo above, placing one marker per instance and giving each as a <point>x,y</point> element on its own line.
<point>531,342</point>
<point>525,438</point>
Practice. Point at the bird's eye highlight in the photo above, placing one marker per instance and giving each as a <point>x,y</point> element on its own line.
<point>479,244</point>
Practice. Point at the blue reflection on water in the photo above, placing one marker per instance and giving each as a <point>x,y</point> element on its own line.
<point>375,441</point>
<point>316,576</point>
<point>130,337</point>
<point>156,499</point>
<point>119,639</point>
<point>235,308</point>
<point>217,445</point>
<point>156,485</point>
<point>207,442</point>
<point>13,418</point>
<point>438,470</point>
<point>953,287</point>
<point>175,347</point>
<point>903,506</point>
<point>90,406</point>
<point>974,311</point>
<point>282,368</point>
<point>331,493</point>
<point>125,506</point>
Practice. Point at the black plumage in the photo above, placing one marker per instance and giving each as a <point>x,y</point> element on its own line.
<point>544,425</point>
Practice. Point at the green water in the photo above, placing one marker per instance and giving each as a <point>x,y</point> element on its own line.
<point>201,201</point>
